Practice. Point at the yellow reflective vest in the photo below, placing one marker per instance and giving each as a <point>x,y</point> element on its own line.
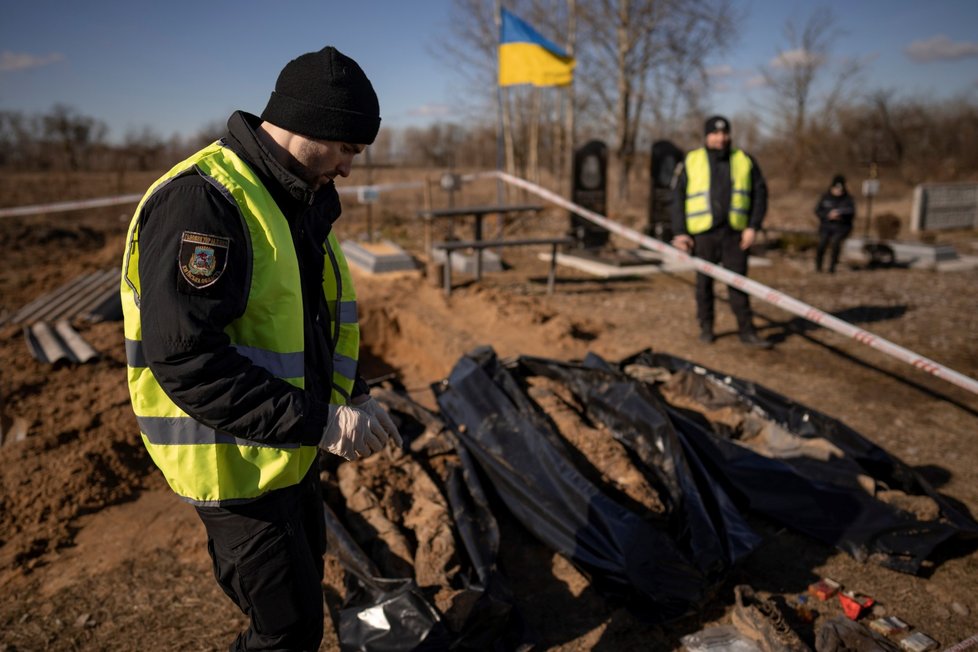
<point>203,465</point>
<point>699,208</point>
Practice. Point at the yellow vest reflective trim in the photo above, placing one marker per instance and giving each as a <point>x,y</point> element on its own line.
<point>283,365</point>
<point>203,465</point>
<point>345,327</point>
<point>699,209</point>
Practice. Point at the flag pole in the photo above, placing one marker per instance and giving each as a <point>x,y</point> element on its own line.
<point>570,122</point>
<point>500,189</point>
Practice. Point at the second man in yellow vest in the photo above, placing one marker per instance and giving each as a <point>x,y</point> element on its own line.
<point>720,203</point>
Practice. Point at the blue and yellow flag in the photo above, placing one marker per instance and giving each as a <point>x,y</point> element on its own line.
<point>525,57</point>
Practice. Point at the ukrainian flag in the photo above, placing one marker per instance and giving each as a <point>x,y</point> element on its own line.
<point>525,57</point>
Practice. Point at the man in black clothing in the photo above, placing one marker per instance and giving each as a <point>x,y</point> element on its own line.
<point>836,211</point>
<point>242,339</point>
<point>720,203</point>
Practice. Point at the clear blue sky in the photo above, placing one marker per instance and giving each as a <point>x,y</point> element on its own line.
<point>176,66</point>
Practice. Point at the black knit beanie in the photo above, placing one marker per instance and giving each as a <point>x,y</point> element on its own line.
<point>716,123</point>
<point>325,95</point>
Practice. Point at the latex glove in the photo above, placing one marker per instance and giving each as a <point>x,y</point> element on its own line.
<point>352,433</point>
<point>683,242</point>
<point>377,411</point>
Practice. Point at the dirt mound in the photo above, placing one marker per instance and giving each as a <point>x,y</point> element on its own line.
<point>96,553</point>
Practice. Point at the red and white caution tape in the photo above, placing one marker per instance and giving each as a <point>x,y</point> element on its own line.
<point>751,287</point>
<point>743,283</point>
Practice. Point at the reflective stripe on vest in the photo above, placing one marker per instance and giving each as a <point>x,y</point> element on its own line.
<point>201,464</point>
<point>341,299</point>
<point>699,208</point>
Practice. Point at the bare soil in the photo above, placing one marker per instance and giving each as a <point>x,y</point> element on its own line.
<point>97,554</point>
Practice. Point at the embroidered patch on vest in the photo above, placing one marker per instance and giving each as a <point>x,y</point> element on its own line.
<point>202,258</point>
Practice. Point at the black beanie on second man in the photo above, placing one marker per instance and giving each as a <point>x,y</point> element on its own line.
<point>716,123</point>
<point>325,95</point>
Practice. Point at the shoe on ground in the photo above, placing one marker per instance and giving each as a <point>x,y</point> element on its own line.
<point>755,340</point>
<point>761,620</point>
<point>707,336</point>
<point>840,633</point>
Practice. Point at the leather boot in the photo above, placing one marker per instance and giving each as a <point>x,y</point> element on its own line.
<point>751,338</point>
<point>706,334</point>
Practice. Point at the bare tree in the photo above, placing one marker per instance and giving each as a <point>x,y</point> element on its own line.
<point>632,50</point>
<point>567,108</point>
<point>145,149</point>
<point>436,145</point>
<point>918,139</point>
<point>20,138</point>
<point>74,134</point>
<point>791,79</point>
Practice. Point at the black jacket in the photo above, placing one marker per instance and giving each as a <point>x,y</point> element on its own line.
<point>183,326</point>
<point>720,193</point>
<point>842,203</point>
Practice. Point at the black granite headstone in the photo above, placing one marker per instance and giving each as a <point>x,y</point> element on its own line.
<point>665,157</point>
<point>589,189</point>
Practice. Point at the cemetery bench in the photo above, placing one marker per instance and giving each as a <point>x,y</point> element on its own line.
<point>479,245</point>
<point>477,214</point>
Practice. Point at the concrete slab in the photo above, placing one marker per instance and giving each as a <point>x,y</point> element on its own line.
<point>961,264</point>
<point>377,257</point>
<point>917,255</point>
<point>464,262</point>
<point>602,270</point>
<point>657,263</point>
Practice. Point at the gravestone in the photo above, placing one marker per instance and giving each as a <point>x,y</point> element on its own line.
<point>942,206</point>
<point>589,188</point>
<point>665,157</point>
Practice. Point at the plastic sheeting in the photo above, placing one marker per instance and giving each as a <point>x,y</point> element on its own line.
<point>827,499</point>
<point>810,472</point>
<point>661,568</point>
<point>382,613</point>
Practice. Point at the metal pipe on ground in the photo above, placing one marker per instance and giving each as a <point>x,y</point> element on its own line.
<point>47,343</point>
<point>80,349</point>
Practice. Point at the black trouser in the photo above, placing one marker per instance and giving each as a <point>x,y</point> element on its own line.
<point>721,246</point>
<point>268,558</point>
<point>834,235</point>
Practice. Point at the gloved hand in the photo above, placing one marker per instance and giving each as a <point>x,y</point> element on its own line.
<point>353,433</point>
<point>377,411</point>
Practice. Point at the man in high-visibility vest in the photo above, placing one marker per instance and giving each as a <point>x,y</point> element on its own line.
<point>721,200</point>
<point>242,339</point>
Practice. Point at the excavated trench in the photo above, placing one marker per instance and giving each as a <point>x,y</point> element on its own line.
<point>438,536</point>
<point>425,544</point>
<point>399,516</point>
